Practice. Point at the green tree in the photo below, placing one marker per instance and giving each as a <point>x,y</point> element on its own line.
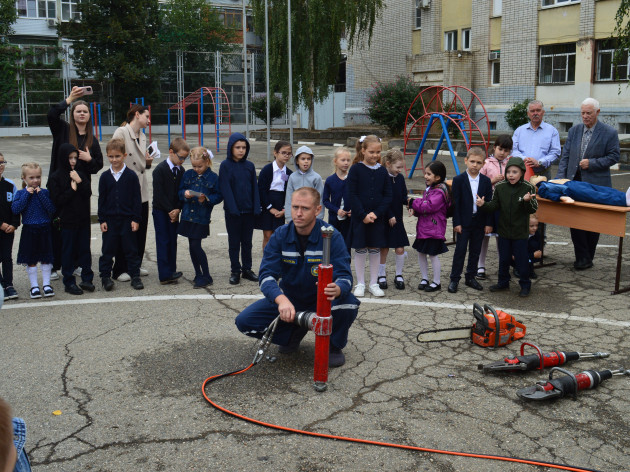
<point>193,25</point>
<point>116,42</point>
<point>517,114</point>
<point>317,27</point>
<point>622,33</point>
<point>259,107</point>
<point>8,15</point>
<point>388,103</point>
<point>9,54</point>
<point>125,44</point>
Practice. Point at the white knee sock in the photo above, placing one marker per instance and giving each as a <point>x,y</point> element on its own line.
<point>359,265</point>
<point>375,261</point>
<point>424,265</point>
<point>437,269</point>
<point>628,197</point>
<point>32,276</point>
<point>381,270</point>
<point>400,262</point>
<point>46,269</point>
<point>483,252</point>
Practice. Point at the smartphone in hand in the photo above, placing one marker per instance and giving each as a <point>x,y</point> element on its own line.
<point>87,90</point>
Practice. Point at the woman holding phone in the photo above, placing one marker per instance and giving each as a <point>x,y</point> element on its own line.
<point>78,133</point>
<point>138,160</point>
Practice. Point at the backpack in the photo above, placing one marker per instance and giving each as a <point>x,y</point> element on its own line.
<point>450,208</point>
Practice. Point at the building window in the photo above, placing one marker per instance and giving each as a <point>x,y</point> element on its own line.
<point>565,126</point>
<point>450,41</point>
<point>418,14</point>
<point>496,73</point>
<point>466,39</point>
<point>557,64</point>
<point>607,70</point>
<point>556,3</point>
<point>69,10</point>
<point>493,125</point>
<point>37,8</point>
<point>624,128</point>
<point>497,7</point>
<point>232,19</point>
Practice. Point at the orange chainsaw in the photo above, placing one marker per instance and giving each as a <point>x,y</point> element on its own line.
<point>491,328</point>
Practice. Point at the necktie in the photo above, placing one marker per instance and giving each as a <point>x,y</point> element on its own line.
<point>586,138</point>
<point>175,172</point>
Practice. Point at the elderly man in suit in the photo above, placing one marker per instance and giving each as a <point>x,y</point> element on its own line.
<point>588,153</point>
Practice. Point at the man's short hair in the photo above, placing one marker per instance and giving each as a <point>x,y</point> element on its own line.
<point>309,191</point>
<point>6,433</point>
<point>591,101</point>
<point>535,102</point>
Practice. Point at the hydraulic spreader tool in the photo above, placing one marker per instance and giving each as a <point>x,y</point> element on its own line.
<point>538,361</point>
<point>570,384</point>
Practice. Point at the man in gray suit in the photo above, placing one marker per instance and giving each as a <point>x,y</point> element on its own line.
<point>588,153</point>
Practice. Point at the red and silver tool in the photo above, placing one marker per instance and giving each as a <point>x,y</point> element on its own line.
<point>321,322</point>
<point>570,384</point>
<point>491,328</point>
<point>538,361</point>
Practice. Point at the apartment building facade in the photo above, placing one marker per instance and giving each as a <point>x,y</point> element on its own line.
<point>556,51</point>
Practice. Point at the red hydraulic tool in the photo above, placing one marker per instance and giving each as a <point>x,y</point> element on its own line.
<point>570,384</point>
<point>321,322</point>
<point>538,361</point>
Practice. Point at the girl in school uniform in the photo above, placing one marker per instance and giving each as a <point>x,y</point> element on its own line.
<point>335,196</point>
<point>431,211</point>
<point>370,191</point>
<point>272,189</point>
<point>395,229</point>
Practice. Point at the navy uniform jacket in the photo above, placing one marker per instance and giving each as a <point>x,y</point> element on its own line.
<point>463,200</point>
<point>284,271</point>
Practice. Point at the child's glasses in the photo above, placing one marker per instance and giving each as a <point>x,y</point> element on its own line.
<point>286,154</point>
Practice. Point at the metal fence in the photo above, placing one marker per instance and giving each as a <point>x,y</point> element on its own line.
<point>41,85</point>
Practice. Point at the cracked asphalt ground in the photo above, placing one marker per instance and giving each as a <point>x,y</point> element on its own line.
<point>126,368</point>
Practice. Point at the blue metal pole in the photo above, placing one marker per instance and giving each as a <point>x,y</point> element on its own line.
<point>449,144</point>
<point>168,125</point>
<point>424,139</point>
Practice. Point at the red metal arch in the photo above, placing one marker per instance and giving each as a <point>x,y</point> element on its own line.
<point>457,105</point>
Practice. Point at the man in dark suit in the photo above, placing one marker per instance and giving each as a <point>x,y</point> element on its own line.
<point>469,224</point>
<point>588,153</point>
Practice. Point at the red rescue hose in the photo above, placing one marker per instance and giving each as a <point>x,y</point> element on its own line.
<point>374,443</point>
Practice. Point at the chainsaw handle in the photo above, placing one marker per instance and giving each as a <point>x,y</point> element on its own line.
<point>497,325</point>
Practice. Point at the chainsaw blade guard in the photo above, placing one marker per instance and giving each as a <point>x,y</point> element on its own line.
<point>494,328</point>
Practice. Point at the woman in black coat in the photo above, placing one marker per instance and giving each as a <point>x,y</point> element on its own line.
<point>78,133</point>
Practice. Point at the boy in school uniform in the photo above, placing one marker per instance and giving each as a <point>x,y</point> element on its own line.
<point>304,176</point>
<point>119,213</point>
<point>166,208</point>
<point>469,223</point>
<point>8,224</point>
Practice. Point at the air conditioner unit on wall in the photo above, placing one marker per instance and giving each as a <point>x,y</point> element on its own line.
<point>494,55</point>
<point>51,23</point>
<point>425,3</point>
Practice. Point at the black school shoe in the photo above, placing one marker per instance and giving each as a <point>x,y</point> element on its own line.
<point>472,283</point>
<point>399,282</point>
<point>73,289</point>
<point>249,274</point>
<point>87,286</point>
<point>499,288</point>
<point>382,282</point>
<point>524,292</point>
<point>108,284</point>
<point>235,278</point>
<point>137,283</point>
